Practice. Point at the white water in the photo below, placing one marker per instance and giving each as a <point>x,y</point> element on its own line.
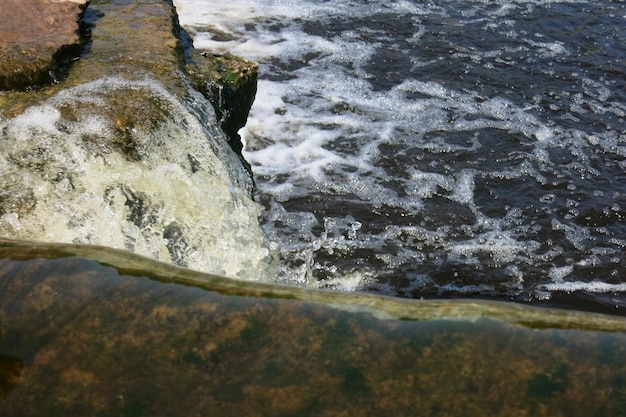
<point>182,199</point>
<point>373,163</point>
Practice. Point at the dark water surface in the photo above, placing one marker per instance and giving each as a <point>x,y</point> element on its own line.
<point>86,338</point>
<point>440,149</point>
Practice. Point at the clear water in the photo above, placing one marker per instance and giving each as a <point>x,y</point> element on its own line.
<point>429,149</point>
<point>81,338</point>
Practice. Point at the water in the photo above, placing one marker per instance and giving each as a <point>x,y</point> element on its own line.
<point>85,332</point>
<point>167,188</point>
<point>429,149</point>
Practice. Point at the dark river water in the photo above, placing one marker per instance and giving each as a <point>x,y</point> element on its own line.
<point>438,149</point>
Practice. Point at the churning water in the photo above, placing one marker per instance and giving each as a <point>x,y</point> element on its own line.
<point>449,148</point>
<point>177,193</point>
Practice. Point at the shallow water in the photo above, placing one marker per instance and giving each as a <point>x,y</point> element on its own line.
<point>446,149</point>
<point>93,331</point>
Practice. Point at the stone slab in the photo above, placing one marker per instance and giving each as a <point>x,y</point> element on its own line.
<point>38,38</point>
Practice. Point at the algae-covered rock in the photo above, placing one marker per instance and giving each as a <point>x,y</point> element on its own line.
<point>107,333</point>
<point>230,83</point>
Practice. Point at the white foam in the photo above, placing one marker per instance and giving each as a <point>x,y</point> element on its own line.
<point>592,287</point>
<point>557,274</point>
<point>548,49</point>
<point>500,246</point>
<point>318,126</point>
<point>82,189</point>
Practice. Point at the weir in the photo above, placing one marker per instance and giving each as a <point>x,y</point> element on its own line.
<point>135,279</point>
<point>94,331</point>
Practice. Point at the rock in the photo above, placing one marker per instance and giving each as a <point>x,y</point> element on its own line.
<point>107,333</point>
<point>38,39</point>
<point>230,83</point>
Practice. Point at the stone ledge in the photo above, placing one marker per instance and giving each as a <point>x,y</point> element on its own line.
<point>38,39</point>
<point>229,83</point>
<point>123,152</point>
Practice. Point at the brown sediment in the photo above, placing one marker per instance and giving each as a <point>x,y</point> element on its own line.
<point>127,39</point>
<point>10,371</point>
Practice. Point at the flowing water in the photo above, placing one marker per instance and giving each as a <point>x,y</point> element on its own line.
<point>64,167</point>
<point>429,149</point>
<point>124,153</point>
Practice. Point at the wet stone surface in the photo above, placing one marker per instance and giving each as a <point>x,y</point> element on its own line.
<point>38,39</point>
<point>96,340</point>
<point>126,131</point>
<point>230,83</point>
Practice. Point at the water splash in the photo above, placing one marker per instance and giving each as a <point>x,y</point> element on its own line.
<point>128,165</point>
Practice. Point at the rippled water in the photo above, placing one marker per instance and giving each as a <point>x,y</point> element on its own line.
<point>446,148</point>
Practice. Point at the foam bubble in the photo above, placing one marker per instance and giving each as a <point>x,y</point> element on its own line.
<point>475,156</point>
<point>558,273</point>
<point>167,187</point>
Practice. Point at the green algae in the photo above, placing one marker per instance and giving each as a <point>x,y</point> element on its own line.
<point>226,69</point>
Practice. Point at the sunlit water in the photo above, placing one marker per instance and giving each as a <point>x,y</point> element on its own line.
<point>447,148</point>
<point>177,193</point>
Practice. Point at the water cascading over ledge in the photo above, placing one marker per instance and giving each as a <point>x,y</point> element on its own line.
<point>124,151</point>
<point>112,139</point>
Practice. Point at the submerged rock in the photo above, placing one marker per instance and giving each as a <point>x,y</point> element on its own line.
<point>126,153</point>
<point>38,39</point>
<point>97,337</point>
